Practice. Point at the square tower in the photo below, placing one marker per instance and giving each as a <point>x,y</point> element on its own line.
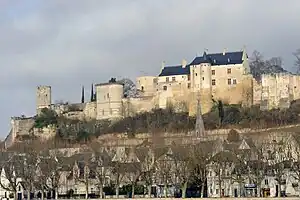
<point>43,98</point>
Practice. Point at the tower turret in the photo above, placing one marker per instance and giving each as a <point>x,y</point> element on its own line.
<point>109,100</point>
<point>43,98</point>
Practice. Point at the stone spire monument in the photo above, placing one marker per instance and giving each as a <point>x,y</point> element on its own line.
<point>199,127</point>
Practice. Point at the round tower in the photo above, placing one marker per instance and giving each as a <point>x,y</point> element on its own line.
<point>201,84</point>
<point>109,100</point>
<point>43,98</point>
<point>206,84</point>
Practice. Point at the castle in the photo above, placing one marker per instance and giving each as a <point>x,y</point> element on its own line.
<point>218,76</point>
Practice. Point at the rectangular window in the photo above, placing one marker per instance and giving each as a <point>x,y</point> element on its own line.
<point>196,74</point>
<point>203,78</point>
<point>173,78</point>
<point>108,95</point>
<point>266,182</point>
<point>213,81</point>
<point>229,81</point>
<point>229,71</point>
<point>234,81</point>
<point>189,85</point>
<point>167,79</point>
<point>213,72</point>
<point>189,77</point>
<point>165,87</point>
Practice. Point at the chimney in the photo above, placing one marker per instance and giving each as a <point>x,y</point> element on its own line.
<point>183,63</point>
<point>224,51</point>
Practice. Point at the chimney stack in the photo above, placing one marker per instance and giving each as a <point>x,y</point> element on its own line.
<point>183,63</point>
<point>224,51</point>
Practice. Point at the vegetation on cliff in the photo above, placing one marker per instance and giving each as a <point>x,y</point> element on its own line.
<point>167,120</point>
<point>45,118</point>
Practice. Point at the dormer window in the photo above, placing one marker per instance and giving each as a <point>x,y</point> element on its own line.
<point>228,60</point>
<point>173,78</point>
<point>167,79</point>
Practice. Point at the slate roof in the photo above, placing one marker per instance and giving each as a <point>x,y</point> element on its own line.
<point>228,58</point>
<point>175,70</point>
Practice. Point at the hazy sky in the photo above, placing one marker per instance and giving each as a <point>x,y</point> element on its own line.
<point>71,43</point>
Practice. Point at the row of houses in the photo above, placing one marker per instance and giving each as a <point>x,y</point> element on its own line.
<point>239,166</point>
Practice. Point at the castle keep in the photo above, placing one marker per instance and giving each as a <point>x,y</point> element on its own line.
<point>213,76</point>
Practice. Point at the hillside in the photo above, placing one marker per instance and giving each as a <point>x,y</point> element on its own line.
<point>167,120</point>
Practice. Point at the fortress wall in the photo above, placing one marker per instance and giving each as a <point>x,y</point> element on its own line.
<point>21,126</point>
<point>75,115</point>
<point>45,133</point>
<point>235,93</point>
<point>60,108</point>
<point>90,110</point>
<point>257,91</point>
<point>132,106</point>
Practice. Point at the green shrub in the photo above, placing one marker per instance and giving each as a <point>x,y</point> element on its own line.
<point>45,118</point>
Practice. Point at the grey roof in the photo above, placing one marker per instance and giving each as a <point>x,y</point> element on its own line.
<point>228,58</point>
<point>175,70</point>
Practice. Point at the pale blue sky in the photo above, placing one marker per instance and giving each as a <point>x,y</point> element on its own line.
<point>73,42</point>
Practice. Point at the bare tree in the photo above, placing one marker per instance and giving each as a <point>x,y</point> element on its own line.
<point>259,66</point>
<point>101,165</point>
<point>201,157</point>
<point>279,163</point>
<point>48,175</point>
<point>133,169</point>
<point>147,159</point>
<point>239,174</point>
<point>83,171</point>
<point>9,173</point>
<point>184,166</point>
<point>118,175</point>
<point>118,170</point>
<point>222,164</point>
<point>165,171</point>
<point>28,171</point>
<point>257,169</point>
<point>297,61</point>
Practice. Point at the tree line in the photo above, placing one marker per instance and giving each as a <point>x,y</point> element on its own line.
<point>184,166</point>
